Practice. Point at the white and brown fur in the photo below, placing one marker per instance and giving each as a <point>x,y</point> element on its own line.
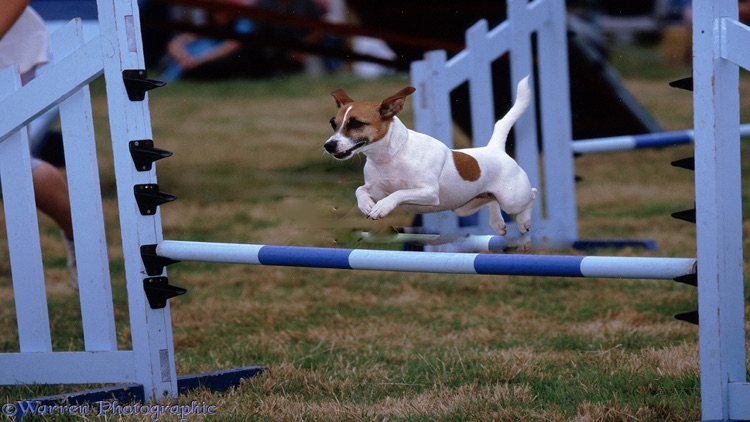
<point>410,169</point>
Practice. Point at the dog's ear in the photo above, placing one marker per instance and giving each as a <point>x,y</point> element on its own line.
<point>395,103</point>
<point>341,97</point>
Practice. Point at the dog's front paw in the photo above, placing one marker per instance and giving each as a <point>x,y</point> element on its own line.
<point>365,205</point>
<point>381,209</point>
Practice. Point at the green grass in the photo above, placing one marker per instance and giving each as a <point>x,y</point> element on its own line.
<point>342,345</point>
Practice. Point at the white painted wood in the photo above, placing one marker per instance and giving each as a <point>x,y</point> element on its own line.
<point>718,206</point>
<point>51,87</point>
<point>739,401</point>
<point>558,199</point>
<point>67,368</point>
<point>130,120</point>
<point>77,125</point>
<point>22,228</point>
<point>735,39</point>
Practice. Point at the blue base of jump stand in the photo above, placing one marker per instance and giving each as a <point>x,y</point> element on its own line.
<point>216,381</point>
<point>584,245</point>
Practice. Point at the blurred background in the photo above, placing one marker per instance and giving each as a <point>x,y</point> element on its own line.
<point>212,39</point>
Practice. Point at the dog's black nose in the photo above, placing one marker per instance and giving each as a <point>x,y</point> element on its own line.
<point>330,146</point>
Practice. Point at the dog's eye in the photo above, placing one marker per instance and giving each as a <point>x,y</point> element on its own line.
<point>333,123</point>
<point>355,124</point>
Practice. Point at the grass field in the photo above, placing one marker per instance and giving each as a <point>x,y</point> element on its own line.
<point>340,345</point>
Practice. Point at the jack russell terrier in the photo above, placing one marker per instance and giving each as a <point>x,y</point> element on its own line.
<point>421,174</point>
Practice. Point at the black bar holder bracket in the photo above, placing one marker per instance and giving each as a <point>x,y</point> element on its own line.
<point>684,83</point>
<point>158,291</point>
<point>688,215</point>
<point>691,317</point>
<point>144,154</point>
<point>685,163</point>
<point>154,263</point>
<point>137,83</point>
<point>149,197</point>
<point>689,279</point>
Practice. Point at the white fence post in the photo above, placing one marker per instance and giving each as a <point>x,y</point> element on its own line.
<point>23,233</point>
<point>94,284</point>
<point>130,121</point>
<point>558,197</point>
<point>720,44</point>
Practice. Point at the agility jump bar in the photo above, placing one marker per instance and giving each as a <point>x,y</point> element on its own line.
<point>429,262</point>
<point>648,140</point>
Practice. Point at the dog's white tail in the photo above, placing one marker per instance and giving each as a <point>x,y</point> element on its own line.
<point>502,126</point>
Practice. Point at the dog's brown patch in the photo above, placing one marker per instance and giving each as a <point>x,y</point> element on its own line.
<point>467,166</point>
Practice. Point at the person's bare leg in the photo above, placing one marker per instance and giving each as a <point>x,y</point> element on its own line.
<point>51,192</point>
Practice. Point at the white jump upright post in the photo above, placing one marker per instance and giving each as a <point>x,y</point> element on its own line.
<point>130,124</point>
<point>554,221</point>
<point>720,45</point>
<point>117,53</point>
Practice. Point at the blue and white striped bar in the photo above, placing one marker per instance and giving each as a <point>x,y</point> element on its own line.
<point>429,262</point>
<point>648,140</point>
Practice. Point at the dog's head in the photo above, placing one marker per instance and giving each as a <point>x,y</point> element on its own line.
<point>360,124</point>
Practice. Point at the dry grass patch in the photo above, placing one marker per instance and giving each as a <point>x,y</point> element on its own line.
<point>615,411</point>
<point>435,402</point>
<point>676,360</point>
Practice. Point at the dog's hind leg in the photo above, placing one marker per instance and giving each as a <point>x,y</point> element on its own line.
<point>523,219</point>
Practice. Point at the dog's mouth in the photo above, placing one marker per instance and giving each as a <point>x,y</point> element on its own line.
<point>350,151</point>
